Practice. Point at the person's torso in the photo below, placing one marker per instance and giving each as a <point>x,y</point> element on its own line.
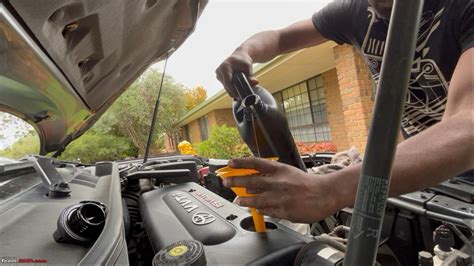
<point>437,52</point>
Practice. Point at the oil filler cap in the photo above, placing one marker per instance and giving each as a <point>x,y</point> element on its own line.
<point>185,252</point>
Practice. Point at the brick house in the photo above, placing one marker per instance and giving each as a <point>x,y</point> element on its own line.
<point>326,92</point>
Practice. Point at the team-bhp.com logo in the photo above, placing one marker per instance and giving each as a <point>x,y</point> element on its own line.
<point>10,260</point>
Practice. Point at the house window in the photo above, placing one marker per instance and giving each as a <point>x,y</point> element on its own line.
<point>305,108</point>
<point>203,127</point>
<point>318,106</point>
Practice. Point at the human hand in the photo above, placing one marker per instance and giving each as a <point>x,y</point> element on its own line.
<point>283,191</point>
<point>239,61</point>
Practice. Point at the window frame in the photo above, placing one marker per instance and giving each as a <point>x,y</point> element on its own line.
<point>319,136</point>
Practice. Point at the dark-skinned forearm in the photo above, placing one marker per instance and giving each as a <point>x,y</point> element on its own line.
<point>266,45</point>
<point>262,46</point>
<point>438,153</point>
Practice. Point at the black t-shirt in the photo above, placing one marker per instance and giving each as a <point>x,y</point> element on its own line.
<point>446,31</point>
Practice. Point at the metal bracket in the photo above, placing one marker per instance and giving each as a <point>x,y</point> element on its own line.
<point>47,172</point>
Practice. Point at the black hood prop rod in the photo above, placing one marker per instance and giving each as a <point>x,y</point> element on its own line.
<point>155,112</point>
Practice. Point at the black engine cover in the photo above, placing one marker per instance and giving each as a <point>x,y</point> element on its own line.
<point>189,211</point>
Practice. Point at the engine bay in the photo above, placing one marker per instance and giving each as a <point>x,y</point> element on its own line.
<point>154,208</point>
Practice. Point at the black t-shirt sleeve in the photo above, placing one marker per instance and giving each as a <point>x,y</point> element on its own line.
<point>466,27</point>
<point>336,20</point>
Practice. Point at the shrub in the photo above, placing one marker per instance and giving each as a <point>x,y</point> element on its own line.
<point>224,143</point>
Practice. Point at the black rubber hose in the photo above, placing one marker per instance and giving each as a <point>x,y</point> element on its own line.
<point>341,231</point>
<point>330,241</point>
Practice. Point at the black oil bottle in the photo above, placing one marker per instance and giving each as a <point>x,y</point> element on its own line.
<point>262,124</point>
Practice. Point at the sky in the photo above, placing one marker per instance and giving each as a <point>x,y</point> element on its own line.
<point>225,24</point>
<point>11,128</point>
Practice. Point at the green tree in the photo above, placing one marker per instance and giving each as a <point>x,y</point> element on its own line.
<point>223,143</point>
<point>27,144</point>
<point>96,146</point>
<point>131,114</point>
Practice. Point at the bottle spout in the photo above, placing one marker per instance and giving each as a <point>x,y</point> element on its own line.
<point>242,85</point>
<point>251,100</point>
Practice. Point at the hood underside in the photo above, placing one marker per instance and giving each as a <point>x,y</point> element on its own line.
<point>63,63</point>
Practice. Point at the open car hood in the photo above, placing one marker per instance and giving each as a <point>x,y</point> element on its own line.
<point>63,63</point>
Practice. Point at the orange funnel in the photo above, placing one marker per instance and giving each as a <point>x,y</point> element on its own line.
<point>227,171</point>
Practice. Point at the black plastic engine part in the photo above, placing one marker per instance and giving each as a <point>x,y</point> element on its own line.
<point>163,176</point>
<point>126,218</point>
<point>184,165</point>
<point>59,190</point>
<point>214,184</point>
<point>444,238</point>
<point>190,212</point>
<point>458,188</point>
<point>186,252</point>
<point>167,173</point>
<point>80,223</point>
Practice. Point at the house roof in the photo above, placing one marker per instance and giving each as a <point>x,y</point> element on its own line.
<point>282,72</point>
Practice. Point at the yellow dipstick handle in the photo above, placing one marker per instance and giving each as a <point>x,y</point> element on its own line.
<point>258,221</point>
